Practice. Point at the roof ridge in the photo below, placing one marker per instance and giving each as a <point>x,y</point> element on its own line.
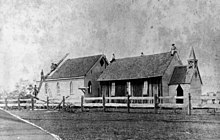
<point>75,67</point>
<point>181,66</point>
<point>142,56</point>
<point>85,56</point>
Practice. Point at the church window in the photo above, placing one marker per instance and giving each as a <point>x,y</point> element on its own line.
<point>71,87</point>
<point>90,87</point>
<point>102,62</point>
<point>46,88</point>
<point>58,88</point>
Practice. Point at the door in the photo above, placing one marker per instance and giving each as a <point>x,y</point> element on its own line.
<point>120,88</point>
<point>179,94</point>
<point>137,87</point>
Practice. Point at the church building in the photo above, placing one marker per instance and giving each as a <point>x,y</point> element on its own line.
<point>145,75</point>
<point>73,76</point>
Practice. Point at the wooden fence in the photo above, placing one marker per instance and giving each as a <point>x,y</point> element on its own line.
<point>209,102</point>
<point>152,102</point>
<point>32,103</point>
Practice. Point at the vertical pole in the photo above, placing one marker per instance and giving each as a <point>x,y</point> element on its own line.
<point>155,103</point>
<point>63,102</point>
<point>47,102</point>
<point>103,102</point>
<point>82,98</point>
<point>6,103</point>
<point>32,103</point>
<point>19,106</point>
<point>128,103</point>
<point>189,106</point>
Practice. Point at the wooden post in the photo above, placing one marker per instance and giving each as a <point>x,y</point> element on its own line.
<point>155,103</point>
<point>189,105</point>
<point>103,102</point>
<point>19,105</point>
<point>82,98</point>
<point>32,103</point>
<point>63,102</point>
<point>47,103</point>
<point>128,103</point>
<point>6,103</point>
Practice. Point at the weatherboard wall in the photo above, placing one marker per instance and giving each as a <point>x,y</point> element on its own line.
<point>168,73</point>
<point>92,76</point>
<point>51,89</point>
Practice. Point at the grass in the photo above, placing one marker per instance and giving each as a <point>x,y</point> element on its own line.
<point>118,124</point>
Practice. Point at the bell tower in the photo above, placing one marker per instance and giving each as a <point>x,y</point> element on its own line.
<point>192,61</point>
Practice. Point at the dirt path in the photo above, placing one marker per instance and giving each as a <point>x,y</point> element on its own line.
<point>14,128</point>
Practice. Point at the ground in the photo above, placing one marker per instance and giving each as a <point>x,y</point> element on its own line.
<point>13,128</point>
<point>118,124</point>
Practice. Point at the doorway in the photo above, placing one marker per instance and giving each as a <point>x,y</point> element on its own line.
<point>179,94</point>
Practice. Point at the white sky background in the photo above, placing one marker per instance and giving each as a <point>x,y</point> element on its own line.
<point>34,33</point>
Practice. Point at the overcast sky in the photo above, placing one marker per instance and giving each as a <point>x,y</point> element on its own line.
<point>34,33</point>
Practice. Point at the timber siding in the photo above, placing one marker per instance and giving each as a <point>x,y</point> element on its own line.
<point>195,88</point>
<point>168,73</point>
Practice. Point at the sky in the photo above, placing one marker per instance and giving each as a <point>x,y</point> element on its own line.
<point>35,33</point>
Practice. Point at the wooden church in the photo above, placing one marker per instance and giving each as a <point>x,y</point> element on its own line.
<point>162,74</point>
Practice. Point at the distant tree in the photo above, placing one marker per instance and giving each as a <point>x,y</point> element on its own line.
<point>22,89</point>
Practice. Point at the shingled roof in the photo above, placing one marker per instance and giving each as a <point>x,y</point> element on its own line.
<point>182,75</point>
<point>75,67</point>
<point>137,67</point>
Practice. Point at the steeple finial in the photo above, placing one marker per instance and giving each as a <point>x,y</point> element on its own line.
<point>192,61</point>
<point>192,54</point>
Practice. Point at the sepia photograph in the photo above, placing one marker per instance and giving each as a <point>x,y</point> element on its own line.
<point>109,69</point>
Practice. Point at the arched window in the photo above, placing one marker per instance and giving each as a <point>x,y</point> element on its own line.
<point>179,93</point>
<point>71,87</point>
<point>90,87</point>
<point>46,88</point>
<point>58,88</point>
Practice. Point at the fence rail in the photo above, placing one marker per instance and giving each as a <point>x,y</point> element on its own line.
<point>128,102</point>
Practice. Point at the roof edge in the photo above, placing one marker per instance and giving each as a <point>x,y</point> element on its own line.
<point>69,78</point>
<point>100,80</point>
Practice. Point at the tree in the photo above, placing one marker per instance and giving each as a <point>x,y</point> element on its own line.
<point>22,89</point>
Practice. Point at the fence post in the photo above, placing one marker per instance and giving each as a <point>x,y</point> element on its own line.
<point>47,102</point>
<point>6,103</point>
<point>32,103</point>
<point>82,98</point>
<point>128,103</point>
<point>19,105</point>
<point>103,102</point>
<point>189,105</point>
<point>63,102</point>
<point>155,103</point>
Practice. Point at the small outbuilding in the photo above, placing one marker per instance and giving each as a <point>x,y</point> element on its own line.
<point>187,79</point>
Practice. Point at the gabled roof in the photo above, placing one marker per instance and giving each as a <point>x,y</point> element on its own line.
<point>182,75</point>
<point>179,75</point>
<point>75,67</point>
<point>137,67</point>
